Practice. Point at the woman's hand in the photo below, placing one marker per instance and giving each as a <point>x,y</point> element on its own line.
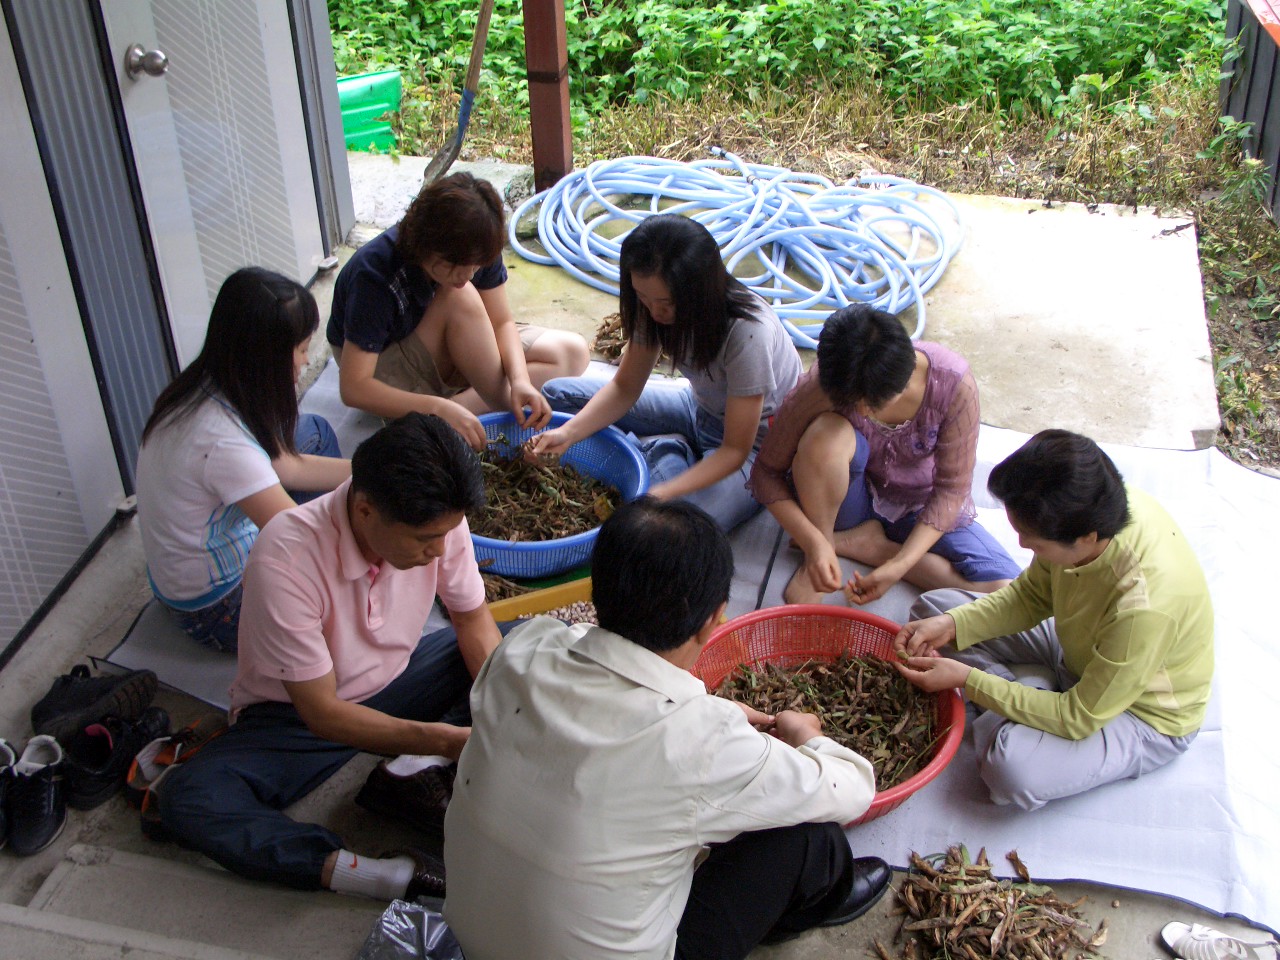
<point>464,421</point>
<point>661,491</point>
<point>922,638</point>
<point>865,587</point>
<point>549,443</point>
<point>935,673</point>
<point>524,395</point>
<point>822,566</point>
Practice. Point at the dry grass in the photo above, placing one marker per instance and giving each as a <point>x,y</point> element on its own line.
<point>842,131</point>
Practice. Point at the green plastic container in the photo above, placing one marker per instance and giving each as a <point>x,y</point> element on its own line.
<point>363,99</point>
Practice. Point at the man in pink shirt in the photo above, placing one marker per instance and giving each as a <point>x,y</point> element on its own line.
<point>331,663</point>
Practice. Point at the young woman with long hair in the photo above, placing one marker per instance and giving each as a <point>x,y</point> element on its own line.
<point>224,446</point>
<point>677,298</point>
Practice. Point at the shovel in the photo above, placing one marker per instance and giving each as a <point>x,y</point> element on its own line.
<point>448,153</point>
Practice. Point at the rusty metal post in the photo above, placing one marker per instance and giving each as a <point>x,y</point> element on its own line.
<point>547,63</point>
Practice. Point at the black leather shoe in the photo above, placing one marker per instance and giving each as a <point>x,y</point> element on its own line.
<point>77,700</point>
<point>871,877</point>
<point>419,799</point>
<point>98,757</point>
<point>428,874</point>
<point>37,808</point>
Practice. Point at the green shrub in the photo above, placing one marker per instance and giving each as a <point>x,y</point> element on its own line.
<point>1045,57</point>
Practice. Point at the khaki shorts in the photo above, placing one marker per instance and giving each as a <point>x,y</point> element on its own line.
<point>409,366</point>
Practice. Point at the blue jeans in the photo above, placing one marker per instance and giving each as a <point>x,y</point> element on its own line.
<point>226,801</point>
<point>217,625</point>
<point>673,433</point>
<point>313,436</point>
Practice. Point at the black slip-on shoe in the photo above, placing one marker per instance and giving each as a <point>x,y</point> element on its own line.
<point>871,878</point>
<point>77,700</point>
<point>97,758</point>
<point>7,759</point>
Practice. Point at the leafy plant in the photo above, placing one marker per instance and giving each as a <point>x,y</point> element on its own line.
<point>1048,58</point>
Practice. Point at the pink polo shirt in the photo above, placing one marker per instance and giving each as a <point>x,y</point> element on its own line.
<point>312,603</point>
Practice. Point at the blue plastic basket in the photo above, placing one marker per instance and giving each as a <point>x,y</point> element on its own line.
<point>607,455</point>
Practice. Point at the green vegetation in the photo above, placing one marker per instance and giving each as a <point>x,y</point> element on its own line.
<point>1084,100</point>
<point>1045,57</point>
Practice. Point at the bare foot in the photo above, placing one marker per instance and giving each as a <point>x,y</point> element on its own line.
<point>865,543</point>
<point>800,589</point>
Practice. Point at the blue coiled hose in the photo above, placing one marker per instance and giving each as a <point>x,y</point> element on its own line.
<point>803,243</point>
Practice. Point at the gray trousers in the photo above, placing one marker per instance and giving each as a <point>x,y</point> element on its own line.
<point>1028,767</point>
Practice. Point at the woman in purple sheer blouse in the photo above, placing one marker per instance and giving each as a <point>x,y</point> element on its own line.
<point>871,457</point>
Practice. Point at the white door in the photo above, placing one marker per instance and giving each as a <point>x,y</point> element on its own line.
<point>214,115</point>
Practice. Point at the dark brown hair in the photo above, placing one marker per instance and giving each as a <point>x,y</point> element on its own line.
<point>458,218</point>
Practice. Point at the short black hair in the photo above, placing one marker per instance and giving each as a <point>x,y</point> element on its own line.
<point>1062,486</point>
<point>417,469</point>
<point>864,355</point>
<point>659,570</point>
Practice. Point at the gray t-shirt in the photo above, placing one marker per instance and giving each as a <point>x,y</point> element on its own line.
<point>758,357</point>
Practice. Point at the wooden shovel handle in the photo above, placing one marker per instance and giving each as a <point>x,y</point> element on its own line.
<point>472,82</point>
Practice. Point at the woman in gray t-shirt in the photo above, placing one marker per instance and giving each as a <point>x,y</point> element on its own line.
<point>699,438</point>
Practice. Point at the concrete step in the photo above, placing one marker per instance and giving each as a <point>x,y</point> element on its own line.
<point>27,934</point>
<point>144,895</point>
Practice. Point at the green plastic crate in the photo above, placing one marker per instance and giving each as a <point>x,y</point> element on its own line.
<point>363,99</point>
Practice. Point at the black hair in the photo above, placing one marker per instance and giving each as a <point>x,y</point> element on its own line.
<point>458,218</point>
<point>659,570</point>
<point>416,469</point>
<point>1061,486</point>
<point>259,317</point>
<point>685,255</point>
<point>864,354</point>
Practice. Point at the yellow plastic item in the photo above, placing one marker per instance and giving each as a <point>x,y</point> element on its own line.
<point>540,601</point>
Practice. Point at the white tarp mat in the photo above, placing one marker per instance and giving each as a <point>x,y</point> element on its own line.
<point>1202,829</point>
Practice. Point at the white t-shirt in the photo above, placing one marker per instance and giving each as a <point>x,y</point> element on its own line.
<point>191,473</point>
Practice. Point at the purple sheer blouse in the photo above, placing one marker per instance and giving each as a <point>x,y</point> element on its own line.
<point>924,465</point>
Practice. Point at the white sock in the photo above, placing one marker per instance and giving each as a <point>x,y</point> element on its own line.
<point>382,878</point>
<point>407,764</point>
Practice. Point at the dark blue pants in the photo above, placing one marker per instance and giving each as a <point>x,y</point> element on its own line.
<point>313,436</point>
<point>975,553</point>
<point>226,802</point>
<point>767,882</point>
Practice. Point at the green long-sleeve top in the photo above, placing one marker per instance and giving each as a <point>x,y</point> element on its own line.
<point>1135,625</point>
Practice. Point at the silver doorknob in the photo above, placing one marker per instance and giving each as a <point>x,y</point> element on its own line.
<point>151,62</point>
